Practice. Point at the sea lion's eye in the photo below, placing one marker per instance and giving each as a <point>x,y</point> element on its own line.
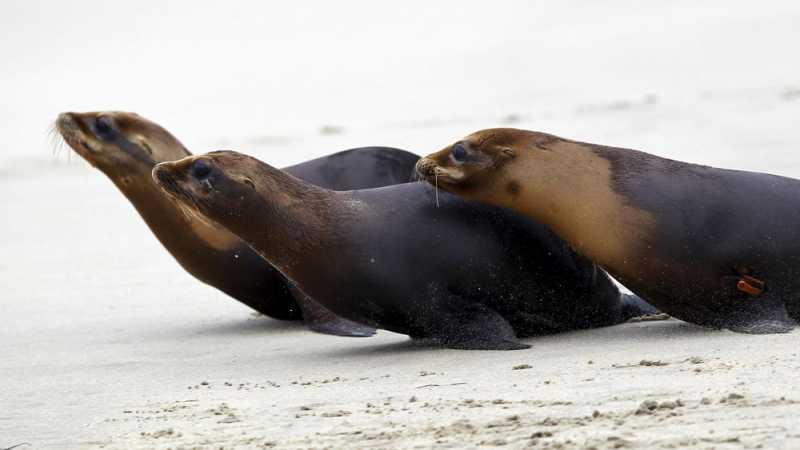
<point>104,127</point>
<point>146,147</point>
<point>249,182</point>
<point>459,153</point>
<point>200,170</point>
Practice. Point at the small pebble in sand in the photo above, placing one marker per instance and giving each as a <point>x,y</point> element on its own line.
<point>649,363</point>
<point>670,404</point>
<point>340,413</point>
<point>229,419</point>
<point>731,398</point>
<point>522,367</point>
<point>647,407</point>
<point>413,399</point>
<point>705,401</point>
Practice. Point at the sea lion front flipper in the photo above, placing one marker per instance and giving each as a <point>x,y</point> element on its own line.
<point>634,306</point>
<point>320,319</point>
<point>476,327</point>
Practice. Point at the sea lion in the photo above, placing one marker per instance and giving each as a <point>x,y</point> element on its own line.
<point>711,246</point>
<point>466,275</point>
<point>126,147</point>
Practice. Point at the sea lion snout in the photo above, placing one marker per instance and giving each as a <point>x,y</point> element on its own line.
<point>164,175</point>
<point>429,169</point>
<point>179,176</point>
<point>425,168</point>
<point>66,122</point>
<point>68,126</point>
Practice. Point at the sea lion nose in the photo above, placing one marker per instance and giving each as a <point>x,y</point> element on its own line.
<point>162,173</point>
<point>66,120</point>
<point>424,167</point>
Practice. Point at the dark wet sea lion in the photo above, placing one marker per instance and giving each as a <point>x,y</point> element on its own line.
<point>126,147</point>
<point>710,246</point>
<point>467,275</point>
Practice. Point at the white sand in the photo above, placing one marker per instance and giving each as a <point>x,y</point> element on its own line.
<point>106,342</point>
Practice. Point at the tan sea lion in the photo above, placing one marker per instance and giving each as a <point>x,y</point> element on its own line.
<point>126,147</point>
<point>710,246</point>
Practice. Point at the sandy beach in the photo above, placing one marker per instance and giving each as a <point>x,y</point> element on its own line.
<point>107,343</point>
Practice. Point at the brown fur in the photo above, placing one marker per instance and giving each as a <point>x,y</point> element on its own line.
<point>561,183</point>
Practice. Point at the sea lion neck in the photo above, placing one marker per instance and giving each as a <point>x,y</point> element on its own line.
<point>574,194</point>
<point>169,222</point>
<point>294,220</point>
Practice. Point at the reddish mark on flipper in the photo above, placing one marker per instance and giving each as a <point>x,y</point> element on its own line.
<point>751,285</point>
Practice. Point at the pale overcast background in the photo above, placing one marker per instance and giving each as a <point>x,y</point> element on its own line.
<point>103,334</point>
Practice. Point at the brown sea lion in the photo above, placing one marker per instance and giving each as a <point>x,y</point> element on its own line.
<point>126,147</point>
<point>710,246</point>
<point>464,274</point>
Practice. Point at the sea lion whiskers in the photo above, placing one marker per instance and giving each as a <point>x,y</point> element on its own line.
<point>56,141</point>
<point>436,186</point>
<point>419,177</point>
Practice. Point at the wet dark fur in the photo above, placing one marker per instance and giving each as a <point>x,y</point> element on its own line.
<point>713,224</point>
<point>243,274</point>
<point>468,275</point>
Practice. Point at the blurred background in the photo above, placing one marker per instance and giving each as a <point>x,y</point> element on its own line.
<point>702,81</point>
<point>101,319</point>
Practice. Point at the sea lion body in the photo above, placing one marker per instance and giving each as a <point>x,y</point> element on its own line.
<point>714,226</point>
<point>418,268</point>
<point>126,147</point>
<point>711,246</point>
<point>468,275</point>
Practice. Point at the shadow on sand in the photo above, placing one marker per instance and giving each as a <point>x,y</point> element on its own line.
<point>253,325</point>
<point>619,334</point>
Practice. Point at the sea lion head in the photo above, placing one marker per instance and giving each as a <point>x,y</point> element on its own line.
<point>123,145</point>
<point>478,166</point>
<point>223,185</point>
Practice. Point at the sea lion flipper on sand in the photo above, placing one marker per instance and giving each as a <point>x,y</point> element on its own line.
<point>320,319</point>
<point>461,274</point>
<point>476,327</point>
<point>762,315</point>
<point>634,306</point>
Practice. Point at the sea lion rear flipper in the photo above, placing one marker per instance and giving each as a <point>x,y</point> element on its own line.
<point>757,309</point>
<point>633,306</point>
<point>339,326</point>
<point>762,315</point>
<point>320,319</point>
<point>476,327</point>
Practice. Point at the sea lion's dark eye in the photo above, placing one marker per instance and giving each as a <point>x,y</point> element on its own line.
<point>459,153</point>
<point>200,170</point>
<point>104,127</point>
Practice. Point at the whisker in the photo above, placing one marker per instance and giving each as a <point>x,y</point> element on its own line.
<point>55,140</point>
<point>436,177</point>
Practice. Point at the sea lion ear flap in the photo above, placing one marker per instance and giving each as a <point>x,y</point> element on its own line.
<point>507,152</point>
